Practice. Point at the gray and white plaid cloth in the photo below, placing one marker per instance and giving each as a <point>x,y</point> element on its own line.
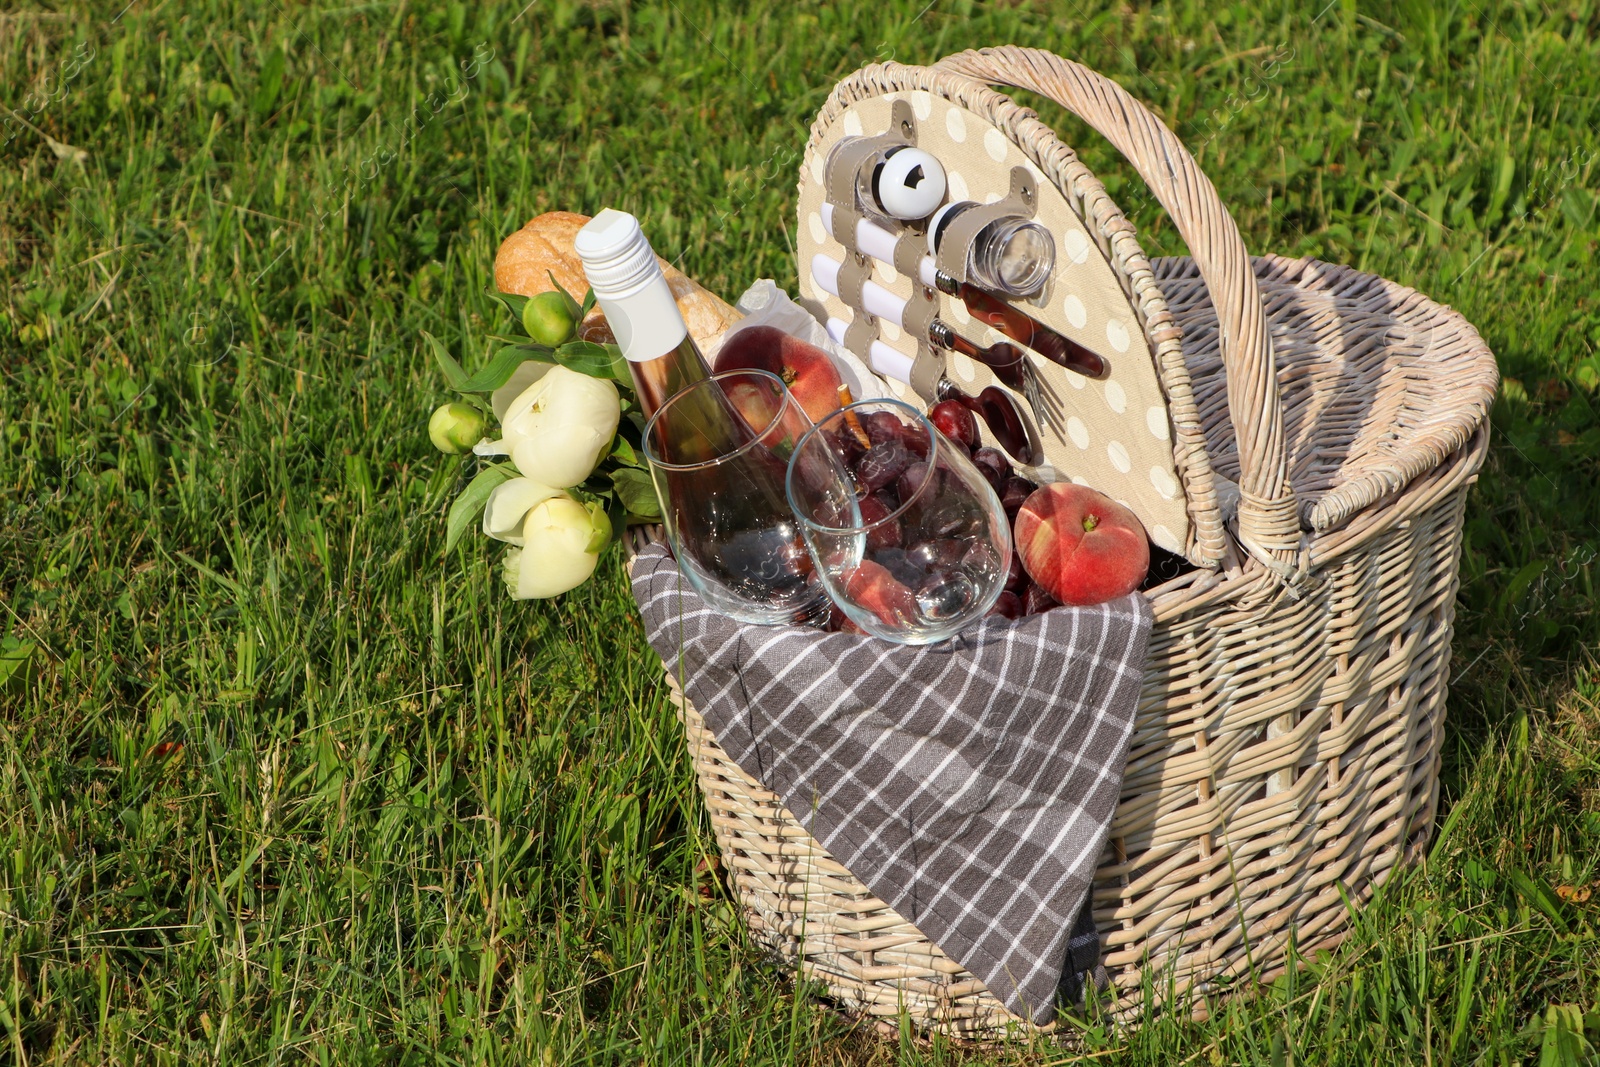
<point>970,784</point>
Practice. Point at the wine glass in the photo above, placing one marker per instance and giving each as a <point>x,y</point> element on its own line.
<point>908,538</point>
<point>718,452</point>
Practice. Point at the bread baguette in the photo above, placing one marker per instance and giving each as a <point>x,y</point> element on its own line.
<point>544,247</point>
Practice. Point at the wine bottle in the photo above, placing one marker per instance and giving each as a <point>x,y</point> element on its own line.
<point>633,292</point>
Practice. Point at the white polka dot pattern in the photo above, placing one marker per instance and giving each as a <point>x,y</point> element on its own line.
<point>1072,307</point>
<point>955,123</point>
<point>1164,482</point>
<point>1077,246</point>
<point>1116,398</point>
<point>1117,335</point>
<point>819,232</point>
<point>995,143</point>
<point>1077,431</point>
<point>1117,452</point>
<point>1156,419</point>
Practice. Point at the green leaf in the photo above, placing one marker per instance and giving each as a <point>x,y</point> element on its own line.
<point>623,453</point>
<point>453,373</point>
<point>588,302</point>
<point>637,493</point>
<point>15,657</point>
<point>1562,1044</point>
<point>497,371</point>
<point>469,505</point>
<point>514,303</point>
<point>268,84</point>
<point>595,360</point>
<point>1534,890</point>
<point>563,291</point>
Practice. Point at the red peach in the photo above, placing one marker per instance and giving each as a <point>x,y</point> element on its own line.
<point>807,370</point>
<point>1081,546</point>
<point>874,588</point>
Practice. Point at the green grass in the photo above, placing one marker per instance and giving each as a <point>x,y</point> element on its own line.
<point>281,783</point>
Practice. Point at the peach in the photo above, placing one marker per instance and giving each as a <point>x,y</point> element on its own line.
<point>874,588</point>
<point>1081,546</point>
<point>807,370</point>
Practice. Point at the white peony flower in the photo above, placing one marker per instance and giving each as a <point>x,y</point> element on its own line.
<point>508,507</point>
<point>559,428</point>
<point>561,542</point>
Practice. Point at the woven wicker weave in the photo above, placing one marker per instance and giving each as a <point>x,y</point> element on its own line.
<point>1285,756</point>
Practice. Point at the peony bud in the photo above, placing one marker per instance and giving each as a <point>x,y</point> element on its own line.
<point>455,428</point>
<point>508,506</point>
<point>561,543</point>
<point>550,317</point>
<point>560,428</point>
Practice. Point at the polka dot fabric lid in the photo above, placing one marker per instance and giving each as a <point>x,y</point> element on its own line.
<point>1113,434</point>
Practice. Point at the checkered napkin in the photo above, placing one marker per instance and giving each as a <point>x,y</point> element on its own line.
<point>970,784</point>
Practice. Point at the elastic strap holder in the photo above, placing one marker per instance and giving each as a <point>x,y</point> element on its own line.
<point>955,244</point>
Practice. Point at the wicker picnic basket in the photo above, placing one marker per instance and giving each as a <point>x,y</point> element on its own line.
<point>1326,426</point>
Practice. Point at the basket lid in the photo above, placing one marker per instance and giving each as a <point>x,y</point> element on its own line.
<point>1114,433</point>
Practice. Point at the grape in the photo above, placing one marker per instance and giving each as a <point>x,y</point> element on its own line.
<point>994,466</point>
<point>939,554</point>
<point>1008,606</point>
<point>883,427</point>
<point>898,563</point>
<point>1017,577</point>
<point>845,445</point>
<point>873,509</point>
<point>911,479</point>
<point>917,442</point>
<point>955,422</point>
<point>1017,491</point>
<point>949,517</point>
<point>881,465</point>
<point>946,595</point>
<point>1038,600</point>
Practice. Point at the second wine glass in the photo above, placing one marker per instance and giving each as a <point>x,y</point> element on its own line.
<point>907,536</point>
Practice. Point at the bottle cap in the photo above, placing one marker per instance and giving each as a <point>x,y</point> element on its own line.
<point>629,286</point>
<point>617,258</point>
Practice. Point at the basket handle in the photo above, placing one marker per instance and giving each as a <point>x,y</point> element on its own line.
<point>1268,525</point>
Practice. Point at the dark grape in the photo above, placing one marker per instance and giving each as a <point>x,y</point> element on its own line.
<point>881,465</point>
<point>845,445</point>
<point>996,469</point>
<point>945,594</point>
<point>955,422</point>
<point>939,554</point>
<point>1008,606</point>
<point>1016,492</point>
<point>916,442</point>
<point>874,509</point>
<point>1038,600</point>
<point>883,427</point>
<point>1017,577</point>
<point>897,561</point>
<point>949,517</point>
<point>911,479</point>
